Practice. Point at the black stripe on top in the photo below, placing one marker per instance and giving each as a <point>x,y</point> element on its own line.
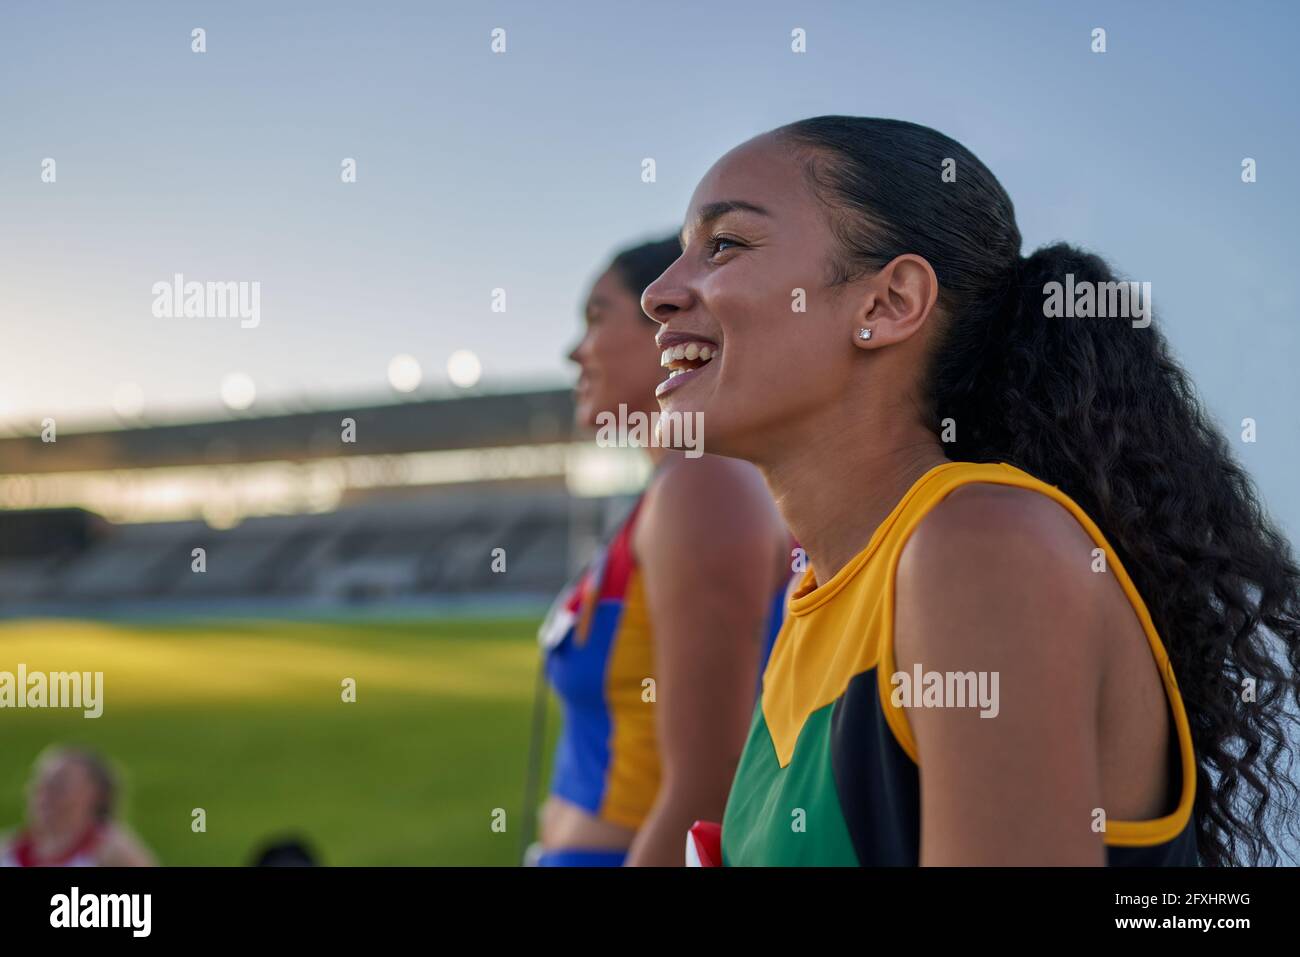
<point>879,789</point>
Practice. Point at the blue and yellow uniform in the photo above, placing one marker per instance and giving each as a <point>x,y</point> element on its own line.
<point>599,659</point>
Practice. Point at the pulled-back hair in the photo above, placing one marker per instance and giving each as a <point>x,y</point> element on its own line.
<point>1099,408</point>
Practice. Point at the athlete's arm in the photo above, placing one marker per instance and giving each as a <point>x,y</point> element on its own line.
<point>707,545</point>
<point>998,581</point>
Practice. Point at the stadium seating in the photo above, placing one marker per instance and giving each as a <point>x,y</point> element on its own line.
<point>431,546</point>
<point>381,543</point>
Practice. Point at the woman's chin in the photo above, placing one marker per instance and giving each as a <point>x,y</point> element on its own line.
<point>671,405</point>
<point>693,401</point>
<point>684,398</point>
<point>585,413</point>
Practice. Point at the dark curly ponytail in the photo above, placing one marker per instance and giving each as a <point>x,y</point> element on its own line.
<point>1098,407</point>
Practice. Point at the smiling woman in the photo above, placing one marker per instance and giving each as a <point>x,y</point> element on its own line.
<point>982,490</point>
<point>656,648</point>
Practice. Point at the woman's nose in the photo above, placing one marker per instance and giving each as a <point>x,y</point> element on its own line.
<point>665,297</point>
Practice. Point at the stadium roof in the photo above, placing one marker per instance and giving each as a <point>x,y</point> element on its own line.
<point>470,422</point>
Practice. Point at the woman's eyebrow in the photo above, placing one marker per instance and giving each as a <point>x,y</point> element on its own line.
<point>595,304</point>
<point>712,211</point>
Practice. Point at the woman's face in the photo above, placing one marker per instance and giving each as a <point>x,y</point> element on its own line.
<point>61,796</point>
<point>751,286</point>
<point>617,359</point>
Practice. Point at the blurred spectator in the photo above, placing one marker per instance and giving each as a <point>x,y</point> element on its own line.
<point>285,852</point>
<point>71,801</point>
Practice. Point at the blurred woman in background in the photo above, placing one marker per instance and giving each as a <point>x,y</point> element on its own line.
<point>656,650</point>
<point>71,802</point>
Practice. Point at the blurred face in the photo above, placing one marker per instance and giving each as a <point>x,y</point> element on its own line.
<point>617,359</point>
<point>754,236</point>
<point>62,796</point>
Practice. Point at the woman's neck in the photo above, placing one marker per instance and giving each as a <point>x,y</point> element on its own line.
<point>835,492</point>
<point>50,846</point>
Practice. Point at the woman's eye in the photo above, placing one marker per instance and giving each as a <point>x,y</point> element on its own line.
<point>718,243</point>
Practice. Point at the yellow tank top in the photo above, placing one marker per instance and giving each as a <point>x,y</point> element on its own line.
<point>827,736</point>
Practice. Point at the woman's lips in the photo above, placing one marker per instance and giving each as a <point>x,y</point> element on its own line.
<point>684,359</point>
<point>679,380</point>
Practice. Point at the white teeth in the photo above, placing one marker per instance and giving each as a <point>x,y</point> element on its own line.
<point>690,351</point>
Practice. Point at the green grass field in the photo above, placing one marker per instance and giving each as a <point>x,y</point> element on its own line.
<point>245,719</point>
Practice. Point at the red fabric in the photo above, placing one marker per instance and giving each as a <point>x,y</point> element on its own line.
<point>25,851</point>
<point>620,561</point>
<point>707,836</point>
<point>615,570</point>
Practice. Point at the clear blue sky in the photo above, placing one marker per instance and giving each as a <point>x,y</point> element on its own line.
<point>522,171</point>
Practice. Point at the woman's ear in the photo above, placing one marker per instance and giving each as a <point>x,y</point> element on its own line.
<point>896,302</point>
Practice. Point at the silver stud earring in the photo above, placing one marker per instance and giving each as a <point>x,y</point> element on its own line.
<point>864,333</point>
